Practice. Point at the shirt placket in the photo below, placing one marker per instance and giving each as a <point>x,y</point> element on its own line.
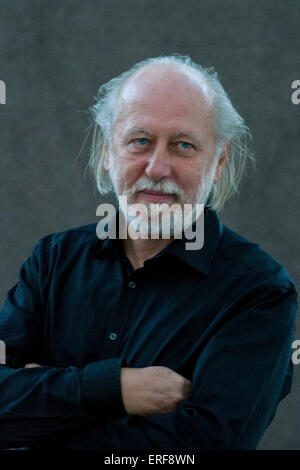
<point>122,312</point>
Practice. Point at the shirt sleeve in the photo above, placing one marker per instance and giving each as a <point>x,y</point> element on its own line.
<point>238,381</point>
<point>37,403</point>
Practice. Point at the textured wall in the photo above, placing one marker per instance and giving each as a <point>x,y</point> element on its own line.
<point>53,57</point>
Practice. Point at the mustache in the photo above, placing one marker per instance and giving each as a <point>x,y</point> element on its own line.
<point>168,187</point>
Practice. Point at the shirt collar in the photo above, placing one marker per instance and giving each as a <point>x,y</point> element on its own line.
<point>200,259</point>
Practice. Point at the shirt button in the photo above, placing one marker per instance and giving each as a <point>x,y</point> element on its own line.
<point>132,284</point>
<point>113,336</point>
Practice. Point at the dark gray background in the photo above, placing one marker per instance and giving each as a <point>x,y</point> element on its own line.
<point>54,56</point>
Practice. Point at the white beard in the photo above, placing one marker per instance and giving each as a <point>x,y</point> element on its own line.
<point>159,221</point>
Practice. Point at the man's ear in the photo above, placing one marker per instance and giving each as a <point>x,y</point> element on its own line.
<point>106,159</point>
<point>221,162</point>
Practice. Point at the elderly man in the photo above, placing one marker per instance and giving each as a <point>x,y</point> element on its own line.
<point>138,342</point>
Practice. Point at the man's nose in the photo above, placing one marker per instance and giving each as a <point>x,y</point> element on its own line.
<point>159,164</point>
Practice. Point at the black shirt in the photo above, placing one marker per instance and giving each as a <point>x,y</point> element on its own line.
<point>222,316</point>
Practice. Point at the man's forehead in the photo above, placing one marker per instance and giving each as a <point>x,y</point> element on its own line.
<point>167,81</point>
<point>166,97</point>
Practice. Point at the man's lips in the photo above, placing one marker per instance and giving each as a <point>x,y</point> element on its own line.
<point>155,195</point>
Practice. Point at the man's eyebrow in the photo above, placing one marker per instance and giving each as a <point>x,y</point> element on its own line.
<point>137,130</point>
<point>188,135</point>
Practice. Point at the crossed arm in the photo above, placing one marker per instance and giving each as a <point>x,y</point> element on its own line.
<point>150,390</point>
<point>237,384</point>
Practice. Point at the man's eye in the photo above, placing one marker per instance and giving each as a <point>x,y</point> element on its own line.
<point>184,145</point>
<point>141,142</point>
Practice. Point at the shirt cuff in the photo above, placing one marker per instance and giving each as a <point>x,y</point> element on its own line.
<point>101,389</point>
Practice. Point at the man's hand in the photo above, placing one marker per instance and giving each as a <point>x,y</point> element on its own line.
<point>152,390</point>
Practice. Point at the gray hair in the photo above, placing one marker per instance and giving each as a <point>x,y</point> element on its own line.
<point>229,125</point>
